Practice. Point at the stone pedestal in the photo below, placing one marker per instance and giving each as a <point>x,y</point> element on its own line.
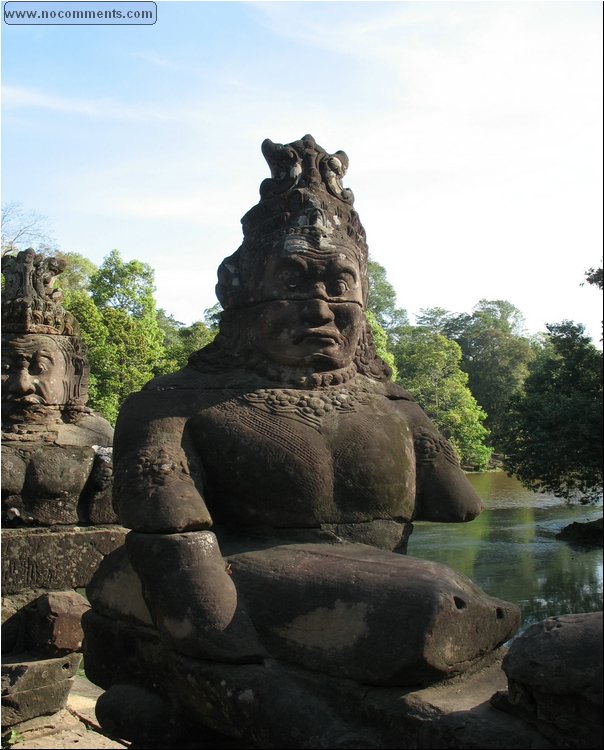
<point>41,613</point>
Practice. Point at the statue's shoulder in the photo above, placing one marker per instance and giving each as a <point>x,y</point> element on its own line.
<point>177,395</point>
<point>89,429</point>
<point>385,388</point>
<point>187,378</point>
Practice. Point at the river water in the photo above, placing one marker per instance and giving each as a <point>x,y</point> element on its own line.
<point>511,550</point>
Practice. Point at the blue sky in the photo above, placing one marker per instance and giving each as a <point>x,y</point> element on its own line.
<point>474,132</point>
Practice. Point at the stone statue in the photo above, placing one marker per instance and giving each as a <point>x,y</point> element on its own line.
<point>57,514</point>
<point>288,439</point>
<point>55,451</point>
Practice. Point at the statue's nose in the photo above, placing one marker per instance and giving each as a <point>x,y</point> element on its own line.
<point>20,382</point>
<point>316,312</point>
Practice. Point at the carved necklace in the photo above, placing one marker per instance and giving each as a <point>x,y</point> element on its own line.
<point>310,406</point>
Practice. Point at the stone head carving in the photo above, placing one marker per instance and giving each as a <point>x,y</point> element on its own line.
<point>43,365</point>
<point>294,292</point>
<point>42,369</point>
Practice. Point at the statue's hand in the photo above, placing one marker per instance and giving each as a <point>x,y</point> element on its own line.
<point>191,597</point>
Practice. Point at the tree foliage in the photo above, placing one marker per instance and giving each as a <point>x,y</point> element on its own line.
<point>552,428</point>
<point>382,301</point>
<point>380,340</point>
<point>429,368</point>
<point>495,351</point>
<point>119,325</point>
<point>594,276</point>
<point>180,341</point>
<point>124,286</point>
<point>77,274</point>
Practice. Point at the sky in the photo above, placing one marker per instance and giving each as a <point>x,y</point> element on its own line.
<point>473,129</point>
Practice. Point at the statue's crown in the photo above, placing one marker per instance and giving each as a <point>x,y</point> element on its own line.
<point>303,195</point>
<point>30,304</point>
<point>302,204</point>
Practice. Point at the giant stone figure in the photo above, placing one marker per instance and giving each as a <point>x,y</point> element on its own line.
<point>57,516</point>
<point>267,485</point>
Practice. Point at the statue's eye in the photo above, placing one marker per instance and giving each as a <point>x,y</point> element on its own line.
<point>339,286</point>
<point>40,365</point>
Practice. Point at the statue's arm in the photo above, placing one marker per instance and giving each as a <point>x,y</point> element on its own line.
<point>158,479</point>
<point>443,492</point>
<point>158,494</point>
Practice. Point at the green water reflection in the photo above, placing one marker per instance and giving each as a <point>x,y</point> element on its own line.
<point>511,550</point>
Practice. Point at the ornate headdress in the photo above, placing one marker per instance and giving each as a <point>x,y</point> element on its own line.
<point>30,304</point>
<point>32,313</point>
<point>303,207</point>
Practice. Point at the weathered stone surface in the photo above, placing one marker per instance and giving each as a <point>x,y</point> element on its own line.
<point>30,557</point>
<point>554,672</point>
<point>53,623</point>
<point>589,532</point>
<point>89,429</point>
<point>97,501</point>
<point>13,619</point>
<point>200,616</point>
<point>125,706</point>
<point>40,701</point>
<point>273,705</point>
<point>52,485</point>
<point>35,687</point>
<point>23,672</point>
<point>342,609</point>
<point>388,535</point>
<point>115,590</point>
<point>321,606</point>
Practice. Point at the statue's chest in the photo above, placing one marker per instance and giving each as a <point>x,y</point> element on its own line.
<point>289,457</point>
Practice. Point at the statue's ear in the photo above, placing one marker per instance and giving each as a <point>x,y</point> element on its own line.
<point>78,365</point>
<point>228,288</point>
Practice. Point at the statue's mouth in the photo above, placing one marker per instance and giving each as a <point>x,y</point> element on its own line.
<point>30,398</point>
<point>319,336</point>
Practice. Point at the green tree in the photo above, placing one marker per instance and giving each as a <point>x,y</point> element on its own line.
<point>380,340</point>
<point>100,353</point>
<point>77,274</point>
<point>551,432</point>
<point>594,276</point>
<point>119,325</point>
<point>429,368</point>
<point>435,319</point>
<point>382,301</point>
<point>211,317</point>
<point>495,351</point>
<point>124,286</point>
<point>189,339</point>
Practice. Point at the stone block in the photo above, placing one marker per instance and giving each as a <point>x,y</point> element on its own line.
<point>56,558</point>
<point>54,623</point>
<point>28,704</point>
<point>23,672</point>
<point>35,687</point>
<point>13,619</point>
<point>554,672</point>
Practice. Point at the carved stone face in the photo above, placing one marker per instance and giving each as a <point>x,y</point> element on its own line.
<point>314,313</point>
<point>35,370</point>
